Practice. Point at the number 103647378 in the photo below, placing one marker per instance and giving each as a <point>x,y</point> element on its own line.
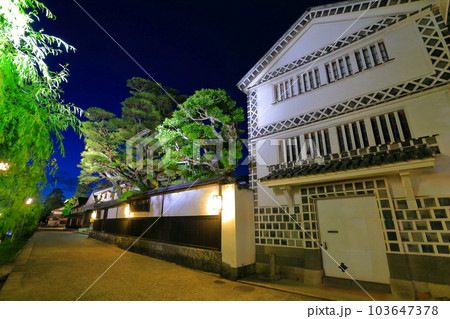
<point>403,310</point>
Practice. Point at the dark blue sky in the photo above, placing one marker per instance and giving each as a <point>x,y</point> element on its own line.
<point>184,44</point>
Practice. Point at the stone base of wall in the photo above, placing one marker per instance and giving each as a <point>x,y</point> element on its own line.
<point>413,277</point>
<point>196,258</point>
<point>307,276</point>
<point>233,273</point>
<point>300,264</point>
<point>343,282</point>
<point>419,290</point>
<point>419,277</point>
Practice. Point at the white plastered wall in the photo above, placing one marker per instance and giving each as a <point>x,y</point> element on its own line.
<point>191,202</point>
<point>238,248</point>
<point>409,61</point>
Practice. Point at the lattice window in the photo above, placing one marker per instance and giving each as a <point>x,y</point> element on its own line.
<point>375,55</point>
<point>388,128</point>
<point>317,77</point>
<point>383,51</point>
<point>368,57</point>
<point>336,74</point>
<point>379,25</point>
<point>284,90</point>
<point>330,77</point>
<point>349,65</point>
<point>305,147</point>
<point>340,68</point>
<point>359,61</point>
<point>435,37</point>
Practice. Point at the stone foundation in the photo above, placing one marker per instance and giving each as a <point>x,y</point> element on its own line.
<point>196,258</point>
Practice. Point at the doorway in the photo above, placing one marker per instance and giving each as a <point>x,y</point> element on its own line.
<point>350,231</point>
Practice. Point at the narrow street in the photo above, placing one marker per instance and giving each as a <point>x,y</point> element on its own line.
<point>59,265</point>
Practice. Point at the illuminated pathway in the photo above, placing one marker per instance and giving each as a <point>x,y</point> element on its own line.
<point>58,265</point>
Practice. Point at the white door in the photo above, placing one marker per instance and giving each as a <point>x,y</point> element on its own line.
<point>350,231</point>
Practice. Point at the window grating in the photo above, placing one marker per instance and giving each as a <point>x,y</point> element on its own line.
<point>304,147</point>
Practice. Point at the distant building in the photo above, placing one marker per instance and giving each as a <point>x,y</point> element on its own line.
<point>77,217</point>
<point>56,219</point>
<point>349,141</point>
<point>81,214</point>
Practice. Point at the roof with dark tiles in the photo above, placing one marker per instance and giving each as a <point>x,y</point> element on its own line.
<point>414,149</point>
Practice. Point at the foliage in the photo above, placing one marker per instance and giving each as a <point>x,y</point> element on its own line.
<point>9,249</point>
<point>201,139</point>
<point>55,199</point>
<point>83,190</point>
<point>106,136</point>
<point>33,116</point>
<point>126,195</point>
<point>68,206</point>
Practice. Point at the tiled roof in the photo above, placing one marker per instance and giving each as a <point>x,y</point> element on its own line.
<point>413,149</point>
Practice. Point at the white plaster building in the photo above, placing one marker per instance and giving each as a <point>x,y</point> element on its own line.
<point>349,134</point>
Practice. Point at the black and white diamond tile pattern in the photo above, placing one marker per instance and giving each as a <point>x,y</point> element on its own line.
<point>382,24</point>
<point>305,19</point>
<point>252,113</point>
<point>436,38</point>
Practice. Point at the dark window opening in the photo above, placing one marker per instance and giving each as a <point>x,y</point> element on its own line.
<point>404,124</point>
<point>356,135</point>
<point>316,73</point>
<point>329,74</point>
<point>327,141</point>
<point>321,149</point>
<point>342,67</point>
<point>375,55</point>
<point>349,65</point>
<point>359,61</point>
<point>341,139</point>
<point>364,133</point>
<point>376,132</point>
<point>383,51</point>
<point>367,58</point>
<point>348,137</point>
<point>394,127</point>
<point>384,128</point>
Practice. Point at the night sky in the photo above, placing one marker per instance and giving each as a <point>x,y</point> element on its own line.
<point>184,44</point>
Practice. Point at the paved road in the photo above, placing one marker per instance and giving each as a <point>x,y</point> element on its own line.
<point>63,265</point>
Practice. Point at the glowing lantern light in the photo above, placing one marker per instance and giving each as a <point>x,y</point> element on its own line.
<point>4,166</point>
<point>94,214</point>
<point>127,212</point>
<point>216,203</point>
<point>29,201</point>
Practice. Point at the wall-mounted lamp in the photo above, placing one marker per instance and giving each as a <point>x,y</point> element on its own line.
<point>217,203</point>
<point>94,214</point>
<point>127,212</point>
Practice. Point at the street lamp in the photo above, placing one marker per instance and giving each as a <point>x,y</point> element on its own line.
<point>29,201</point>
